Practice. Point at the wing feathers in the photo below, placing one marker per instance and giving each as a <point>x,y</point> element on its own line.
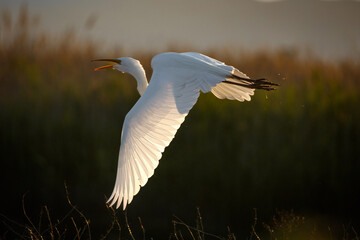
<point>152,123</point>
<point>232,92</point>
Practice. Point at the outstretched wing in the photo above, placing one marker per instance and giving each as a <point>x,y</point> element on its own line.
<point>152,123</point>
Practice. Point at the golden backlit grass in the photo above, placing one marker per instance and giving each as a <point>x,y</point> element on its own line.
<point>293,148</point>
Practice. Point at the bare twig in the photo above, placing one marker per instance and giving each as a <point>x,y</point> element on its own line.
<point>111,225</point>
<point>50,223</point>
<point>12,221</point>
<point>87,223</point>
<point>82,232</point>
<point>175,234</point>
<point>118,225</point>
<point>127,224</point>
<point>9,227</point>
<point>330,232</point>
<point>253,231</point>
<point>58,223</point>
<point>142,228</point>
<point>200,224</point>
<point>29,220</point>
<point>181,236</point>
<point>356,235</point>
<point>76,229</point>
<point>40,218</point>
<point>189,228</point>
<point>231,235</point>
<point>57,230</point>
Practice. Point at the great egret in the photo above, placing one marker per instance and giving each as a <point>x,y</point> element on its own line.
<point>174,88</point>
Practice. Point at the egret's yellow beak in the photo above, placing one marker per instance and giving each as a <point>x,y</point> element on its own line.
<point>117,61</point>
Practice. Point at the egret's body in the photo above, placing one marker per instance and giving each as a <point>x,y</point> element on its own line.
<point>151,124</point>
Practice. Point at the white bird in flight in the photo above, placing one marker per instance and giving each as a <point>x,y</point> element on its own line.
<point>174,88</point>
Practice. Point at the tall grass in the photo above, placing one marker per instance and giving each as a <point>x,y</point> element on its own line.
<point>294,148</point>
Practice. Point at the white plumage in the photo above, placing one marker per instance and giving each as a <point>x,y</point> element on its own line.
<point>151,124</point>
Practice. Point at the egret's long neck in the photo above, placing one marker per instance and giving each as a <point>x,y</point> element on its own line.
<point>138,73</point>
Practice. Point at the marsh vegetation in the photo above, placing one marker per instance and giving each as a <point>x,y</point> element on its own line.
<point>294,148</point>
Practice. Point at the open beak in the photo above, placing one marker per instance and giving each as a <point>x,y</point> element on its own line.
<point>117,61</point>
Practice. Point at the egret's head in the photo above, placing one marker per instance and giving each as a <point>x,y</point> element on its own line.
<point>128,65</point>
<point>123,64</point>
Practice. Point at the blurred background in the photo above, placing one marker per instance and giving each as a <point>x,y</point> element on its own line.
<point>288,161</point>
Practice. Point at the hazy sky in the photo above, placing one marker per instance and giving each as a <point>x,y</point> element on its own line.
<point>331,28</point>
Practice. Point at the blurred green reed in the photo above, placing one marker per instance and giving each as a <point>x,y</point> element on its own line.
<point>294,148</point>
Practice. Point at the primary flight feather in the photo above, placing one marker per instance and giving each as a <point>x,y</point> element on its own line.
<point>174,88</point>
